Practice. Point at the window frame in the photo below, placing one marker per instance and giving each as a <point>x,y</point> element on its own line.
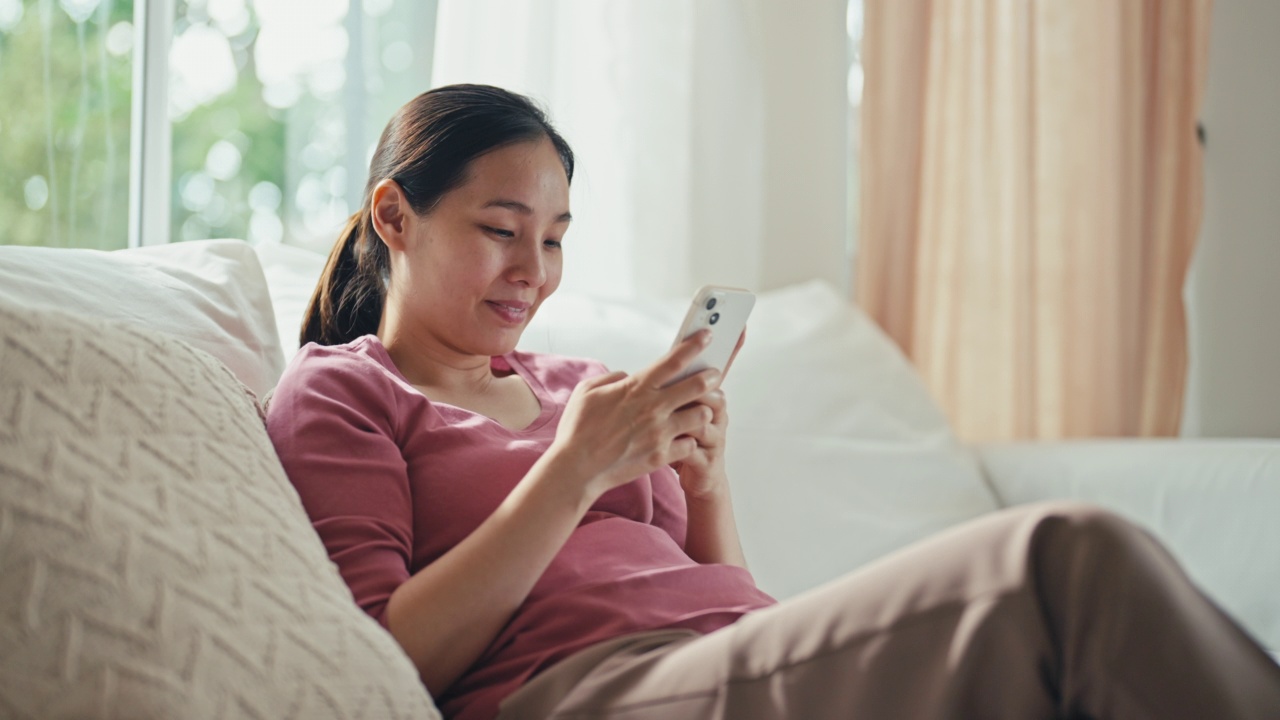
<point>150,132</point>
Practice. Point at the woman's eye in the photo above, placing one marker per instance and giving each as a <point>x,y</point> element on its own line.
<point>552,243</point>
<point>498,231</point>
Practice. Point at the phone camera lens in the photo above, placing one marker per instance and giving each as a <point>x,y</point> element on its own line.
<point>715,317</point>
<point>711,303</point>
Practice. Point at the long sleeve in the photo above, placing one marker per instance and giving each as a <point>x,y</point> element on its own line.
<point>332,420</point>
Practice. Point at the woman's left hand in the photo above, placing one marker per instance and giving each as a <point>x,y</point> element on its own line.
<point>702,474</point>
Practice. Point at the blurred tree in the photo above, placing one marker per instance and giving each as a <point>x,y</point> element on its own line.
<point>64,124</point>
<point>239,118</point>
<point>241,167</point>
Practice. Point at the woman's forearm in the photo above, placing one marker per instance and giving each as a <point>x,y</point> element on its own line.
<point>712,535</point>
<point>447,613</point>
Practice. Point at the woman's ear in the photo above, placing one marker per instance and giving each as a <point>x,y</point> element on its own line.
<point>390,212</point>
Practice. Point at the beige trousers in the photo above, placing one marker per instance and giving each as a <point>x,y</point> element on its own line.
<point>1043,611</point>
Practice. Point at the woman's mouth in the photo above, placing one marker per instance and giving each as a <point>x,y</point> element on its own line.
<point>513,312</point>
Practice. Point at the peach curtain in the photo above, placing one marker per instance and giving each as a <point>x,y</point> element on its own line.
<point>1031,195</point>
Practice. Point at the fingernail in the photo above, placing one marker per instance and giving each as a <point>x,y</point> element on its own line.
<point>706,338</point>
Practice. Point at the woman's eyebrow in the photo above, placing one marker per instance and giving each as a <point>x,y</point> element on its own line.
<point>522,208</point>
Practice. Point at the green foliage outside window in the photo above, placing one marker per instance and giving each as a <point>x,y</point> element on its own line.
<point>219,207</point>
<point>64,123</point>
<point>260,147</point>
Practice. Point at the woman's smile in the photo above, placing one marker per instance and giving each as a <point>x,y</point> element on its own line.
<point>513,312</point>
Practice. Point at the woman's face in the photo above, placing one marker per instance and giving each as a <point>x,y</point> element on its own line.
<point>478,266</point>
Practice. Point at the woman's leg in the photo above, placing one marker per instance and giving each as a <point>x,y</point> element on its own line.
<point>1044,611</point>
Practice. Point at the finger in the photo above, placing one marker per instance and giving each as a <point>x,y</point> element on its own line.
<point>681,450</point>
<point>697,462</point>
<point>676,360</point>
<point>692,389</point>
<point>714,400</point>
<point>692,422</point>
<point>602,380</point>
<point>742,339</point>
<point>710,438</point>
<point>713,439</point>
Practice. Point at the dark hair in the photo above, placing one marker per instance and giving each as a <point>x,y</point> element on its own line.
<point>426,148</point>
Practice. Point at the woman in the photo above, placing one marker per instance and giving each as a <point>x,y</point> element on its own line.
<point>545,538</point>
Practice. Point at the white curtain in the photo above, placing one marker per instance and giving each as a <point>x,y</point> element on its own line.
<point>662,103</point>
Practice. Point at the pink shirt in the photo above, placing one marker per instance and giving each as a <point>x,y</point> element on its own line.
<point>392,481</point>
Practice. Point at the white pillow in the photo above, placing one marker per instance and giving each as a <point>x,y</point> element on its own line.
<point>837,453</point>
<point>814,364</point>
<point>292,274</point>
<point>208,293</point>
<point>155,562</point>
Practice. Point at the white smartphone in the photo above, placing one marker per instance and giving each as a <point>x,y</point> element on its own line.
<point>724,311</point>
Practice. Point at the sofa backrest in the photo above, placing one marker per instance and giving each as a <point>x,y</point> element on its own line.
<point>210,294</point>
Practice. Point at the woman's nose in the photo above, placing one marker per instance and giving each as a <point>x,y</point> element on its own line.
<point>529,267</point>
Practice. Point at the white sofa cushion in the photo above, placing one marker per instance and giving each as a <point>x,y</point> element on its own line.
<point>1215,503</point>
<point>210,294</point>
<point>155,562</point>
<point>813,507</point>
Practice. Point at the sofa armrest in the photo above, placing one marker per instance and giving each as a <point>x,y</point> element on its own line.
<point>1214,503</point>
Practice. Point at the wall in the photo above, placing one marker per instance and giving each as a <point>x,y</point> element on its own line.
<point>1233,289</point>
<point>804,65</point>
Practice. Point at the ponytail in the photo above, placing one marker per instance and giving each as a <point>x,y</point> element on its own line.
<point>349,297</point>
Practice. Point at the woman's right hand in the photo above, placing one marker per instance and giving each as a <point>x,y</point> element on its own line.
<point>617,427</point>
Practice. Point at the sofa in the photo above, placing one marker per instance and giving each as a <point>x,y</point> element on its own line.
<point>155,561</point>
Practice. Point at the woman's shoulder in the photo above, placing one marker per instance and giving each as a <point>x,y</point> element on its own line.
<point>351,369</point>
<point>361,356</point>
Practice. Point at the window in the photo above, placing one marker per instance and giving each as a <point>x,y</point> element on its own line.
<point>273,107</point>
<point>65,94</point>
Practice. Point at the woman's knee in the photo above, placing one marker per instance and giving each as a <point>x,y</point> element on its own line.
<point>1068,535</point>
<point>1081,517</point>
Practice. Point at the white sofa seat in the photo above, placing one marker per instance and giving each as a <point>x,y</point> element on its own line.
<point>1214,503</point>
